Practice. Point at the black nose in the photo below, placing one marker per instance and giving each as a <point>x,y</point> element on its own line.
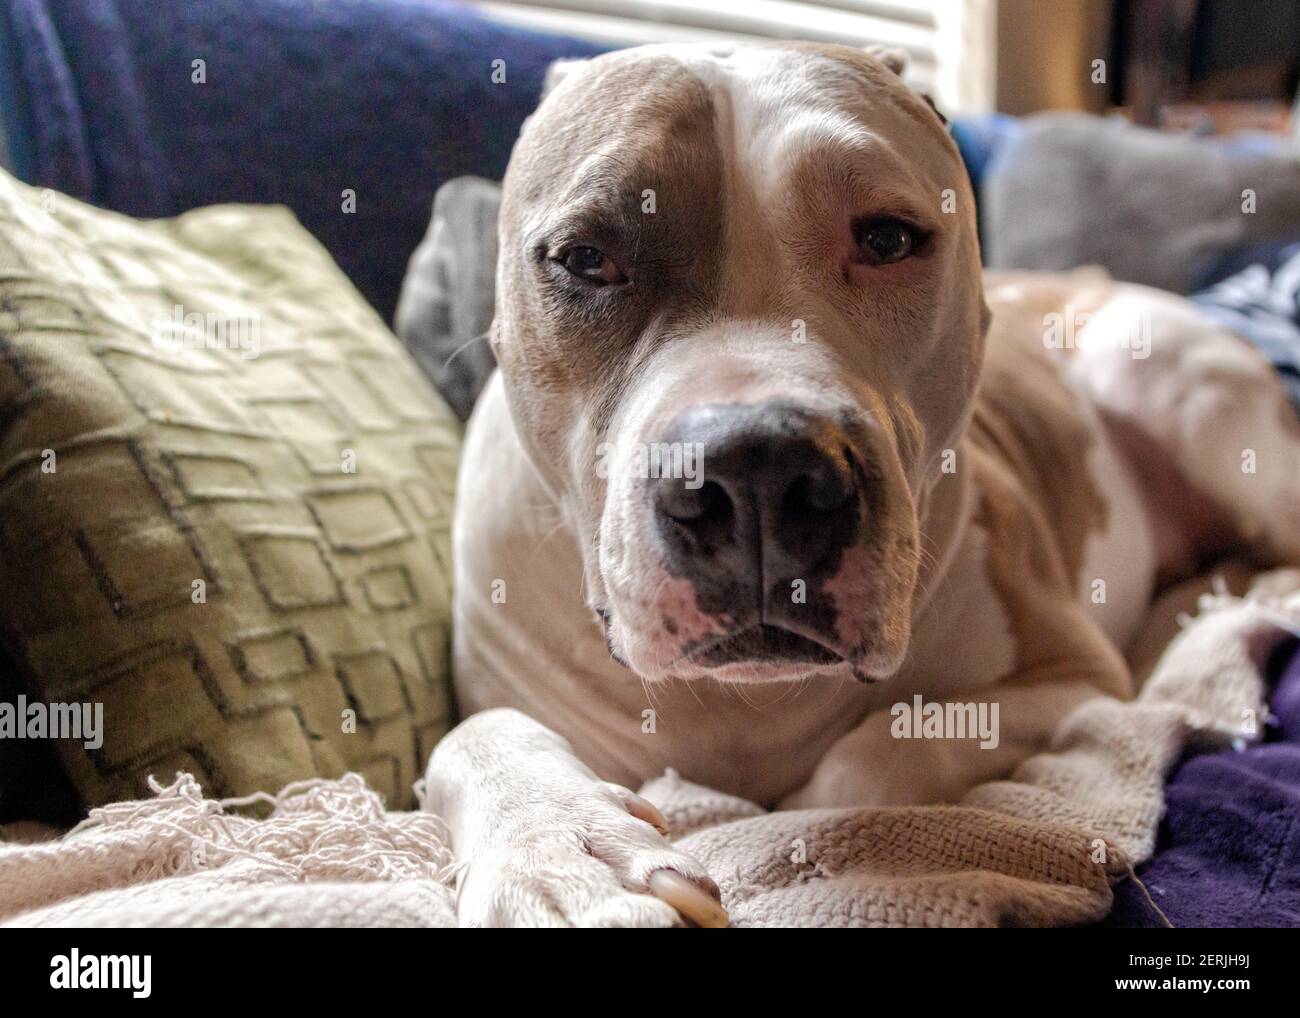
<point>776,497</point>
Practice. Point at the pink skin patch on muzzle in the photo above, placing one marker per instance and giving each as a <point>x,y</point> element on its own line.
<point>853,595</point>
<point>674,622</point>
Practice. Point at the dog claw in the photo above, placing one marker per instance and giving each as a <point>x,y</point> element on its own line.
<point>643,809</point>
<point>694,904</point>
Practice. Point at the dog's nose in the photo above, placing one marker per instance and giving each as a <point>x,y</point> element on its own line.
<point>775,497</point>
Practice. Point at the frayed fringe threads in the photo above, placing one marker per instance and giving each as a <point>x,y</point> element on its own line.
<point>318,830</point>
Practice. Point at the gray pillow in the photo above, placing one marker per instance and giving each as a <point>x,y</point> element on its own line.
<point>1074,190</point>
<point>446,305</point>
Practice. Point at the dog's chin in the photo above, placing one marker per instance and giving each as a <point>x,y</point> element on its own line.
<point>756,670</point>
<point>775,671</point>
<point>768,653</point>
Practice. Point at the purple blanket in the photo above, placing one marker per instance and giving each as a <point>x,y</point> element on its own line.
<point>1229,847</point>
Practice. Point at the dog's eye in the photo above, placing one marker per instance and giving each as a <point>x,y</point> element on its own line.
<point>591,264</point>
<point>885,241</point>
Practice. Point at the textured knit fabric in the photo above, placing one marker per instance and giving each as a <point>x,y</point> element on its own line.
<point>300,101</point>
<point>329,855</point>
<point>1042,848</point>
<point>225,501</point>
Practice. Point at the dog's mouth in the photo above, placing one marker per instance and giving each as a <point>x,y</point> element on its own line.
<point>762,643</point>
<point>760,650</point>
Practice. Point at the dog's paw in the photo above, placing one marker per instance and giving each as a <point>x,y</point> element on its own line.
<point>595,857</point>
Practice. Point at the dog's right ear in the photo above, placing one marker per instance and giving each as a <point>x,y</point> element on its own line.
<point>558,71</point>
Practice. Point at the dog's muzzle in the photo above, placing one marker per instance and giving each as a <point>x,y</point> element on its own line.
<point>781,494</point>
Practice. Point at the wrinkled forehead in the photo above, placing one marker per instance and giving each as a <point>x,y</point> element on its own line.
<point>672,113</point>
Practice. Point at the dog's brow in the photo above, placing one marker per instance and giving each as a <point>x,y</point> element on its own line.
<point>833,132</point>
<point>837,138</point>
<point>596,219</point>
<point>598,180</point>
<point>870,173</point>
<point>599,205</point>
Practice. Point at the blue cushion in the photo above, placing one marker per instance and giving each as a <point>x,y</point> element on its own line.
<point>302,100</point>
<point>979,138</point>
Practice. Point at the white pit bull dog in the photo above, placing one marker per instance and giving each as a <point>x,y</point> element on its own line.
<point>890,476</point>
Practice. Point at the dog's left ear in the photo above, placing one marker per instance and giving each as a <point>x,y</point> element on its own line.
<point>896,60</point>
<point>891,56</point>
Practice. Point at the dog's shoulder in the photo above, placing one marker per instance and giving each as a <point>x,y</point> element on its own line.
<point>1039,453</point>
<point>1035,433</point>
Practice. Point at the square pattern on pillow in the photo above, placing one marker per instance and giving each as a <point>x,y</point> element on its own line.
<point>225,499</point>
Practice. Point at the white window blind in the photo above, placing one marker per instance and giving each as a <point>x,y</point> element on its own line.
<point>951,44</point>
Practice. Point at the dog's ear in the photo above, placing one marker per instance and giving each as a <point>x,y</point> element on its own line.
<point>891,56</point>
<point>557,72</point>
<point>896,60</point>
<point>937,112</point>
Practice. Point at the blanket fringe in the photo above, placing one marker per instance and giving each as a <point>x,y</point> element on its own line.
<point>318,829</point>
<point>1282,610</point>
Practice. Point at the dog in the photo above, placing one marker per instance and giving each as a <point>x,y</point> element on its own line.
<point>767,455</point>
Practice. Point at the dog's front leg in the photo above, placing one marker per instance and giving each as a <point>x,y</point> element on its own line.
<point>541,841</point>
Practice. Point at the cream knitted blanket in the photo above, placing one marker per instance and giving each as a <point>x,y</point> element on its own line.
<point>1042,848</point>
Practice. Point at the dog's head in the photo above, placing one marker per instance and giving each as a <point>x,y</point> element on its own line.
<point>740,320</point>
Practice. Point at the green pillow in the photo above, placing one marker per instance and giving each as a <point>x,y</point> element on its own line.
<point>225,499</point>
